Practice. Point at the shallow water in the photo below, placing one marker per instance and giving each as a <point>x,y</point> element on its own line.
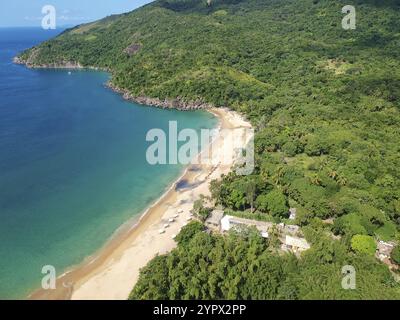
<point>72,164</point>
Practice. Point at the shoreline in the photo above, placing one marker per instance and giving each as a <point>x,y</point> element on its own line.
<point>177,103</point>
<point>112,271</point>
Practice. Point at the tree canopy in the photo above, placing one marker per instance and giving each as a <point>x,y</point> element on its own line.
<point>243,267</point>
<point>324,103</point>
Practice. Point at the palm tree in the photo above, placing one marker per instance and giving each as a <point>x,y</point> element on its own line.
<point>315,179</point>
<point>341,180</point>
<point>277,177</point>
<point>333,174</point>
<point>251,193</point>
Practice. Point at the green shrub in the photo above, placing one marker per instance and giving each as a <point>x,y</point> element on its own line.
<point>274,202</point>
<point>363,244</point>
<point>395,255</point>
<point>387,231</point>
<point>188,232</point>
<point>349,224</point>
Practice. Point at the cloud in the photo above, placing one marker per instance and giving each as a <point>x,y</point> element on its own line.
<point>27,18</point>
<point>62,15</point>
<point>58,18</point>
<point>71,18</point>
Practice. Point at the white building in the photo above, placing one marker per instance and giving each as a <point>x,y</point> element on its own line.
<point>291,229</point>
<point>289,235</point>
<point>215,219</point>
<point>229,222</point>
<point>295,244</point>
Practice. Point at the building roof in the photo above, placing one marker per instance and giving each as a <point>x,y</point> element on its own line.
<point>289,238</point>
<point>291,229</point>
<point>215,217</point>
<point>296,242</point>
<point>261,225</point>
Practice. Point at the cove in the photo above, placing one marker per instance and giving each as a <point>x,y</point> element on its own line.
<point>73,164</point>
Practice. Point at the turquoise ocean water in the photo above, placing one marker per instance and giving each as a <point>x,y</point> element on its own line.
<point>72,164</point>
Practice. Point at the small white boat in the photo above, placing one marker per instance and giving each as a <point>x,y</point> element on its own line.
<point>180,211</point>
<point>171,220</point>
<point>176,216</point>
<point>166,225</point>
<point>189,218</point>
<point>173,236</point>
<point>161,231</point>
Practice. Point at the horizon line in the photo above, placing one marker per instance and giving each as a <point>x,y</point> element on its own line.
<point>40,27</point>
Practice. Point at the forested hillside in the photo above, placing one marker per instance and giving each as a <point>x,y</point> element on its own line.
<point>325,104</point>
<point>246,267</point>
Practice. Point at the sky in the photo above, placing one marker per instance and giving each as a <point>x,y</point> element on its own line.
<point>28,13</point>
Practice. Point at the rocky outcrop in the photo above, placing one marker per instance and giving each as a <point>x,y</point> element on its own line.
<point>56,65</point>
<point>177,103</point>
<point>30,62</point>
<point>18,60</point>
<point>59,65</point>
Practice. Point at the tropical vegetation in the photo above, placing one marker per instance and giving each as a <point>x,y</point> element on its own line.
<point>325,104</point>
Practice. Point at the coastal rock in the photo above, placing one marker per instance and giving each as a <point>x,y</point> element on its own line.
<point>57,65</point>
<point>177,103</point>
<point>60,65</point>
<point>18,60</point>
<point>30,62</point>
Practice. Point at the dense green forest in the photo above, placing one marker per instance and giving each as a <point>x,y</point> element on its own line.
<point>246,267</point>
<point>325,104</point>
